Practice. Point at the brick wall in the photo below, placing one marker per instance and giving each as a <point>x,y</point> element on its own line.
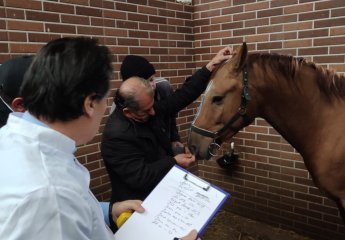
<point>271,183</point>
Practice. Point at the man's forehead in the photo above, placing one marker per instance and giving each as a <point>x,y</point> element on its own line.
<point>145,100</point>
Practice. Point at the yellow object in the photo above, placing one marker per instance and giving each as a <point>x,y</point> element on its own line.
<point>123,218</point>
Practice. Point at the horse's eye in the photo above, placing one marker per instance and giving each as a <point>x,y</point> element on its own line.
<point>217,100</point>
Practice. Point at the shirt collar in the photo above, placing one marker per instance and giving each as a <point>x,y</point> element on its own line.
<point>28,117</point>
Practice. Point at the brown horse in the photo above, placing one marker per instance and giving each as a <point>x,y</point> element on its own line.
<point>305,103</point>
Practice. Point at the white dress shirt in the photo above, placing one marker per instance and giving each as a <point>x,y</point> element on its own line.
<point>44,190</point>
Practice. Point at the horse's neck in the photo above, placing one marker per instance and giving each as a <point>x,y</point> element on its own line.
<point>301,113</point>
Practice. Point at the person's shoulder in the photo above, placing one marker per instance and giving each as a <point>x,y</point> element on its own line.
<point>117,126</point>
<point>163,87</point>
<point>162,82</point>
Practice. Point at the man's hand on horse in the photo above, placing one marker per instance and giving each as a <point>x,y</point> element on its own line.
<point>224,54</point>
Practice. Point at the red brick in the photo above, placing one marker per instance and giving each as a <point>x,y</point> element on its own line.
<point>115,32</point>
<point>77,2</point>
<point>329,4</point>
<point>329,23</point>
<point>329,41</point>
<point>298,8</point>
<point>244,16</point>
<point>39,37</point>
<point>15,13</point>
<point>298,43</point>
<point>27,4</point>
<point>148,26</point>
<point>89,30</point>
<point>60,28</point>
<point>313,15</point>
<point>284,19</point>
<point>88,11</point>
<point>138,17</point>
<point>127,24</point>
<point>129,42</point>
<point>147,10</point>
<point>4,47</point>
<point>280,191</point>
<point>55,7</point>
<point>328,59</point>
<point>256,6</point>
<point>138,34</point>
<point>42,16</point>
<point>270,12</point>
<point>25,26</point>
<point>257,22</point>
<point>83,20</point>
<point>298,26</point>
<point>24,48</point>
<point>270,29</point>
<point>16,36</point>
<point>283,36</point>
<point>232,10</point>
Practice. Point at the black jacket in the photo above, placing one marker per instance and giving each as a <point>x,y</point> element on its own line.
<point>164,89</point>
<point>138,155</point>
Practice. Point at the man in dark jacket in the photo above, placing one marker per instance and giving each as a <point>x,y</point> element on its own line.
<point>11,77</point>
<point>135,148</point>
<point>134,65</point>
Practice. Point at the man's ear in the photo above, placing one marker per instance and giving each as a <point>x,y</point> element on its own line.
<point>17,105</point>
<point>127,112</point>
<point>89,106</point>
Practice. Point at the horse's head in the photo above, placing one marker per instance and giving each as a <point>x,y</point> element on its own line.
<point>224,107</point>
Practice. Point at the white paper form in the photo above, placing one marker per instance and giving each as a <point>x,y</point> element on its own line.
<point>179,203</point>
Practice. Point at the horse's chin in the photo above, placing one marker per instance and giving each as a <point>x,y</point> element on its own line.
<point>203,156</point>
<point>204,152</point>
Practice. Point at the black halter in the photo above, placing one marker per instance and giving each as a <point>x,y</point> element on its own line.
<point>240,113</point>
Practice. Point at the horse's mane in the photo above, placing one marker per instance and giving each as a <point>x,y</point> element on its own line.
<point>329,82</point>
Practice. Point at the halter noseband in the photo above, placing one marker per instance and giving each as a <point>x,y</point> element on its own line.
<point>240,113</point>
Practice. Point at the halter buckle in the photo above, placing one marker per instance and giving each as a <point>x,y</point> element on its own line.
<point>213,147</point>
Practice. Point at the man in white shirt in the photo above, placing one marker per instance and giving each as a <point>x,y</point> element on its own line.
<point>44,189</point>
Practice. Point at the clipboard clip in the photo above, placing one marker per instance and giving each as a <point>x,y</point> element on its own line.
<point>206,188</point>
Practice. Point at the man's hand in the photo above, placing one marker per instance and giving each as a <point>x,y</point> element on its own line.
<point>128,205</point>
<point>185,159</point>
<point>224,54</point>
<point>191,236</point>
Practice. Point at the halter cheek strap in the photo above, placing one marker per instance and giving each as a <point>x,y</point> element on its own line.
<point>242,112</point>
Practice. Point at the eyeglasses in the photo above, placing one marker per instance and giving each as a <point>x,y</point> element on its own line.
<point>8,106</point>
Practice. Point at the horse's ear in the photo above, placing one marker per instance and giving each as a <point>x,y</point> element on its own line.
<point>241,57</point>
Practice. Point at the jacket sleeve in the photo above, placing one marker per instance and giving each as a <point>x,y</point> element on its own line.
<point>125,160</point>
<point>174,135</point>
<point>164,89</point>
<point>192,88</point>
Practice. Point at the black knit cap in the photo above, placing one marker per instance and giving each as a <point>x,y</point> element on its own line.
<point>11,75</point>
<point>134,65</point>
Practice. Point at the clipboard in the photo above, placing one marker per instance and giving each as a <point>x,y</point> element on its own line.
<point>179,203</point>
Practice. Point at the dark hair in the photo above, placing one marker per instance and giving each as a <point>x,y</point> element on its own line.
<point>63,74</point>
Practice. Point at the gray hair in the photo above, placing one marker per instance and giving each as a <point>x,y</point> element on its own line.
<point>129,91</point>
